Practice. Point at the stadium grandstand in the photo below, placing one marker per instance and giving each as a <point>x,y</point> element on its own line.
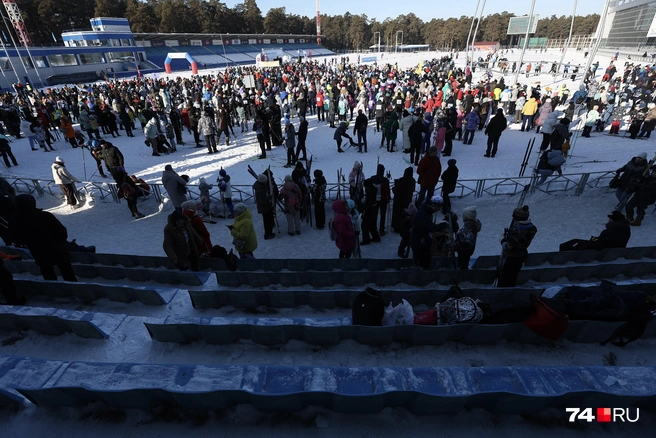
<point>111,50</point>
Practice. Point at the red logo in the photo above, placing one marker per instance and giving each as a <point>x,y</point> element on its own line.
<point>604,415</point>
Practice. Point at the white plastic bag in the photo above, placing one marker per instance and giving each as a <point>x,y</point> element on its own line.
<point>401,314</point>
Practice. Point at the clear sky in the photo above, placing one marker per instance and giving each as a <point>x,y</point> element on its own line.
<point>427,9</point>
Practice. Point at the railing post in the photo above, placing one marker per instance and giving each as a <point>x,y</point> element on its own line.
<point>113,189</point>
<point>582,183</point>
<point>37,187</point>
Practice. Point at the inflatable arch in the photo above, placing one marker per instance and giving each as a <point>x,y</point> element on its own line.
<point>185,55</point>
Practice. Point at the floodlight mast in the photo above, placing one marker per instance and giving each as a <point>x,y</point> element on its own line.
<point>318,24</point>
<point>569,38</point>
<point>528,32</point>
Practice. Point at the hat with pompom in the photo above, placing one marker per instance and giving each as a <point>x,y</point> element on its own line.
<point>469,213</point>
<point>521,213</point>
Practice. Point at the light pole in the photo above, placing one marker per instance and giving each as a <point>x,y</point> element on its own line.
<point>471,27</point>
<point>397,39</point>
<point>378,40</point>
<point>478,22</point>
<point>569,39</point>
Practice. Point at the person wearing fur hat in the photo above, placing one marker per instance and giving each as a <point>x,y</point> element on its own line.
<point>356,184</point>
<point>449,181</point>
<point>181,242</point>
<point>616,235</point>
<point>422,230</point>
<point>516,240</point>
<point>189,210</point>
<point>318,191</point>
<point>590,120</point>
<point>404,189</point>
<point>292,197</point>
<point>65,180</point>
<point>204,190</point>
<point>243,232</point>
<point>264,204</point>
<point>466,237</point>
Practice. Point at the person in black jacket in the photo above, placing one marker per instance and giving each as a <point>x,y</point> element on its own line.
<point>44,236</point>
<point>404,189</point>
<point>422,229</point>
<point>360,128</point>
<point>8,288</point>
<point>302,136</point>
<point>415,133</point>
<point>113,159</point>
<point>369,229</point>
<point>381,182</point>
<point>497,125</point>
<point>449,180</point>
<point>644,196</point>
<point>616,235</point>
<point>263,201</point>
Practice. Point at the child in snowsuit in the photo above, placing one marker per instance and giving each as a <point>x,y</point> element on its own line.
<point>204,190</point>
<point>466,237</point>
<point>226,191</point>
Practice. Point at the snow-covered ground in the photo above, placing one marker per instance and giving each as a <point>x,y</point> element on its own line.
<point>109,226</point>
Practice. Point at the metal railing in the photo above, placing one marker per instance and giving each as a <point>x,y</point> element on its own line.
<point>574,184</point>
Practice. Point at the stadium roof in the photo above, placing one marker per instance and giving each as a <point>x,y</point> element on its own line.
<point>202,36</point>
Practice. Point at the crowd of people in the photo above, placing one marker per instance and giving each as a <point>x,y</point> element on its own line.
<point>432,106</point>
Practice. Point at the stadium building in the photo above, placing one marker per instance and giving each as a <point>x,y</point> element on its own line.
<point>630,24</point>
<point>110,49</point>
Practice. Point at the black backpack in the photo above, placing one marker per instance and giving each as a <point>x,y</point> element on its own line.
<point>368,308</point>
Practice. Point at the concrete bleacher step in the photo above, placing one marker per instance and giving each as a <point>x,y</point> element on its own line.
<point>136,261</point>
<point>561,258</point>
<point>343,298</point>
<point>55,322</point>
<point>441,276</point>
<point>436,390</point>
<point>331,331</point>
<point>20,371</point>
<point>93,291</point>
<point>322,265</point>
<point>118,273</point>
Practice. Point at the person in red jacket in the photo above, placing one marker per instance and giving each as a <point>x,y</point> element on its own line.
<point>189,210</point>
<point>342,227</point>
<point>321,115</point>
<point>429,171</point>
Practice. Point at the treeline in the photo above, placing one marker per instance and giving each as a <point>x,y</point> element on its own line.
<point>45,18</point>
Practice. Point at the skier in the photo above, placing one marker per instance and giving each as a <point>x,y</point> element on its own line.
<point>341,132</point>
<point>264,205</point>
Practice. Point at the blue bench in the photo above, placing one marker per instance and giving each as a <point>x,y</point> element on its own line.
<point>20,371</point>
<point>448,390</point>
<point>343,298</point>
<point>56,322</point>
<point>331,331</point>
<point>92,291</point>
<point>118,273</point>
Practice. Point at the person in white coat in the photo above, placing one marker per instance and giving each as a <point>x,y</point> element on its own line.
<point>65,180</point>
<point>590,121</point>
<point>404,126</point>
<point>547,129</point>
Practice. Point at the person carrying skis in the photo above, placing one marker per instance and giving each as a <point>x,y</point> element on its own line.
<point>515,242</point>
<point>264,205</point>
<point>318,190</point>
